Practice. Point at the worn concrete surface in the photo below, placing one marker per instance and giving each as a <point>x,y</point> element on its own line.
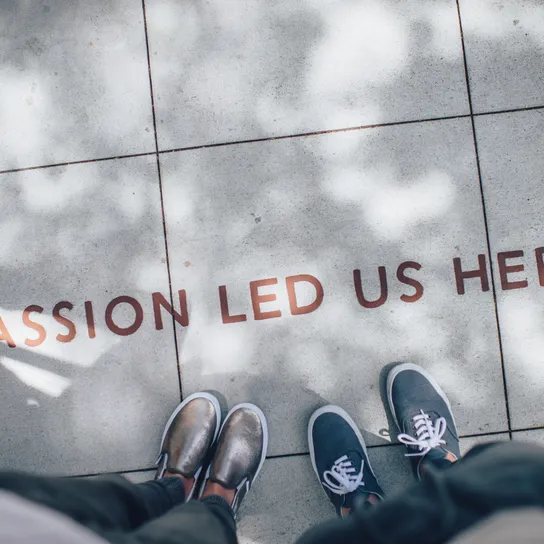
<point>446,178</point>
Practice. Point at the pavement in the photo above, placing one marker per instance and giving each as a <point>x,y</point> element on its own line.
<point>274,200</point>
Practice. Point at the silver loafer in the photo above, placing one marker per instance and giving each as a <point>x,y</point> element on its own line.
<point>241,451</point>
<point>189,433</point>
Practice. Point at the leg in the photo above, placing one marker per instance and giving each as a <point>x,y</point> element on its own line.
<point>103,504</point>
<point>209,521</point>
<point>238,458</point>
<point>451,495</point>
<point>112,504</point>
<point>498,477</point>
<point>446,502</point>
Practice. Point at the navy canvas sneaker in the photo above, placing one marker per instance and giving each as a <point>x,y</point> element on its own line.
<point>340,458</point>
<point>423,415</point>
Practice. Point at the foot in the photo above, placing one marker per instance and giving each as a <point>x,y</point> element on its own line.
<point>188,435</point>
<point>423,415</point>
<point>240,454</point>
<point>340,460</point>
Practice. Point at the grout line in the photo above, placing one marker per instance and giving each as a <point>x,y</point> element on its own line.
<point>288,455</point>
<point>95,474</point>
<point>83,161</point>
<point>305,453</point>
<point>167,254</point>
<point>272,138</point>
<point>315,133</point>
<point>393,444</point>
<point>478,435</point>
<point>524,429</point>
<point>486,225</point>
<point>514,110</point>
<point>235,142</point>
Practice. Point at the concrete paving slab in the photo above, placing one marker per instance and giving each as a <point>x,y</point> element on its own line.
<point>327,206</point>
<point>512,164</point>
<point>505,52</point>
<point>227,71</point>
<point>75,82</point>
<point>285,501</point>
<point>534,435</point>
<point>91,381</point>
<point>468,443</point>
<point>139,476</point>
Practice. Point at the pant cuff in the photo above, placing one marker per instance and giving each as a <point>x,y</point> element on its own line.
<point>219,501</point>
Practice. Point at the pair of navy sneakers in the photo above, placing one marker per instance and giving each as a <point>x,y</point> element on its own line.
<point>425,424</point>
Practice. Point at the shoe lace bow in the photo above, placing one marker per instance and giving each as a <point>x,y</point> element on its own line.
<point>428,435</point>
<point>343,477</point>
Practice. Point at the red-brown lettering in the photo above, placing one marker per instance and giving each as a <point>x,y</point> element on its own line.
<point>410,281</point>
<point>42,335</point>
<point>181,318</point>
<point>291,293</point>
<point>258,299</point>
<point>359,289</point>
<point>224,302</point>
<point>539,254</point>
<point>5,336</point>
<point>64,305</point>
<point>138,318</point>
<point>505,269</point>
<point>461,276</point>
<point>89,315</point>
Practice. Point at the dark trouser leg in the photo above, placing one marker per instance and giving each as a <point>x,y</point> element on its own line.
<point>102,504</point>
<point>210,521</point>
<point>490,478</point>
<point>122,512</point>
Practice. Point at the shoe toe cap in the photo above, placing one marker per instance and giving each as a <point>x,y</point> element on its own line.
<point>190,435</point>
<point>240,448</point>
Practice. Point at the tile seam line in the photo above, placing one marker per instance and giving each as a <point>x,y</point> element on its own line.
<point>525,429</point>
<point>161,195</point>
<point>238,142</point>
<point>315,133</point>
<point>269,138</point>
<point>511,110</point>
<point>82,161</point>
<point>486,224</point>
<point>303,454</point>
<point>393,444</point>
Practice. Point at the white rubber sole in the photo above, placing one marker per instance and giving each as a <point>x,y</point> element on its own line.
<point>416,368</point>
<point>331,408</point>
<point>202,395</point>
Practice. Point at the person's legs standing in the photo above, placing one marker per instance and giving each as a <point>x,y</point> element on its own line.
<point>111,504</point>
<point>425,425</point>
<point>105,503</point>
<point>238,458</point>
<point>500,477</point>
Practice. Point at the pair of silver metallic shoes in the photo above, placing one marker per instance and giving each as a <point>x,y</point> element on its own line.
<point>231,454</point>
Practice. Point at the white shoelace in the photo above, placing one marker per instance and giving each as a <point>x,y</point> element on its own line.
<point>428,436</point>
<point>345,476</point>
